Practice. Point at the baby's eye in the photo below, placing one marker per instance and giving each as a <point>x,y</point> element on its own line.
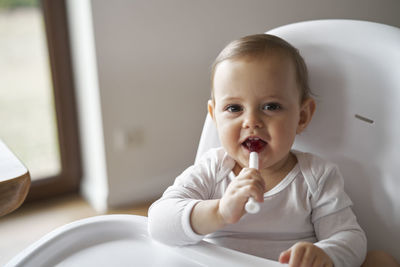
<point>272,106</point>
<point>233,108</point>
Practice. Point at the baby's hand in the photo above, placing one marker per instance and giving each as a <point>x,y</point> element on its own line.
<point>305,254</point>
<point>248,183</point>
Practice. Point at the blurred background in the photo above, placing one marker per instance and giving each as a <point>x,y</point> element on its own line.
<point>139,78</point>
<point>26,96</point>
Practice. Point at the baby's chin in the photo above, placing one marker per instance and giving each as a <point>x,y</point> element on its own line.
<point>240,156</point>
<point>241,162</point>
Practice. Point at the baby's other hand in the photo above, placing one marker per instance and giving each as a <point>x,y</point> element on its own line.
<point>248,183</point>
<point>304,254</point>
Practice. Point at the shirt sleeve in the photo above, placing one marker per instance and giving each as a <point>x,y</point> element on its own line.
<point>342,238</point>
<point>335,224</point>
<point>169,217</point>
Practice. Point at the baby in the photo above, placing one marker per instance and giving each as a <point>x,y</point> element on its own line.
<point>261,101</point>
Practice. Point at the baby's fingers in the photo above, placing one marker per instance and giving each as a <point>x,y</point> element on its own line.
<point>252,175</point>
<point>247,188</point>
<point>292,256</point>
<point>296,256</point>
<point>284,257</point>
<point>305,254</point>
<point>256,190</point>
<point>318,262</point>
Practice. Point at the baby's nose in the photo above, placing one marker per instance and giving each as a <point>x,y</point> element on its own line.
<point>252,120</point>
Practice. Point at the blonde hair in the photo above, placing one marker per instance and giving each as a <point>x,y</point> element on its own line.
<point>260,45</point>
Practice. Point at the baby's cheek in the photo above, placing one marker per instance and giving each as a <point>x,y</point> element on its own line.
<point>287,130</point>
<point>226,141</point>
<point>228,135</point>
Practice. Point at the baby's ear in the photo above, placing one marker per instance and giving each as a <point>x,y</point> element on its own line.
<point>306,112</point>
<point>211,108</point>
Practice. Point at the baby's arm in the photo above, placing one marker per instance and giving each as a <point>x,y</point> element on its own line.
<point>342,238</point>
<point>342,242</point>
<point>168,217</point>
<point>185,214</point>
<point>335,225</point>
<point>211,215</point>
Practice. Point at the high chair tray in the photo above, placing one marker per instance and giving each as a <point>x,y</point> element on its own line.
<point>122,240</point>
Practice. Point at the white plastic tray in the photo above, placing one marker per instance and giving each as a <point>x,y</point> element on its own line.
<point>122,240</point>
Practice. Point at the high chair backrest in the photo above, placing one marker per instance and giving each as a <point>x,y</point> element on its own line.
<point>354,71</point>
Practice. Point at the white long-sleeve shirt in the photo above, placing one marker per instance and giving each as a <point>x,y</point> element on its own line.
<point>309,204</point>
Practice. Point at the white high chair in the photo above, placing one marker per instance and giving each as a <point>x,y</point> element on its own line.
<point>354,71</point>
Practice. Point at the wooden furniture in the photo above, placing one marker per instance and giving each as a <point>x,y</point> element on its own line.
<point>14,181</point>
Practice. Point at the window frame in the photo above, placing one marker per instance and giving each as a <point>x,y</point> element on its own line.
<point>57,35</point>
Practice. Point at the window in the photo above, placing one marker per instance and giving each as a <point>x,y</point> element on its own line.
<point>37,103</point>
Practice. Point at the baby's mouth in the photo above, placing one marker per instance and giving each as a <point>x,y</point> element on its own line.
<point>254,144</point>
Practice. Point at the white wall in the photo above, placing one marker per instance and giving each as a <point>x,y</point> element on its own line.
<point>153,62</point>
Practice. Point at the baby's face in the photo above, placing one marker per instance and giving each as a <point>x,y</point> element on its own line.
<point>257,107</point>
